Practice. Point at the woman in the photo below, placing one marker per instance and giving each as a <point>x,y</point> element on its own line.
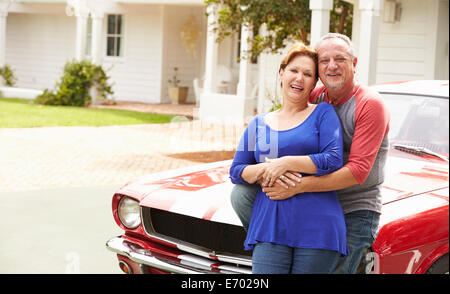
<point>305,233</point>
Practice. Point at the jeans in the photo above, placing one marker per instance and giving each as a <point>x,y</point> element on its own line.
<point>271,258</point>
<point>242,199</point>
<point>362,226</point>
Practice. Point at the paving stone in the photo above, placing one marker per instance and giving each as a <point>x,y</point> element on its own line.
<point>50,157</point>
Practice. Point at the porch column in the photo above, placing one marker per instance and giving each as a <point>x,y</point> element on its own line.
<point>320,19</point>
<point>262,63</point>
<point>368,40</point>
<point>244,84</point>
<point>3,16</point>
<point>81,34</point>
<point>96,44</point>
<point>212,48</point>
<point>4,4</point>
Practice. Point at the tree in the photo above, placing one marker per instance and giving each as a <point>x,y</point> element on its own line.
<point>341,18</point>
<point>285,20</point>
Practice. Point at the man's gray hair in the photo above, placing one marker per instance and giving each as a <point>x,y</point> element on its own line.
<point>337,36</point>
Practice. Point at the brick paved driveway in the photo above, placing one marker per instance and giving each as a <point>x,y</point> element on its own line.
<point>51,157</point>
<point>47,233</point>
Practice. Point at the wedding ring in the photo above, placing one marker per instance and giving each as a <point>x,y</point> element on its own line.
<point>282,177</point>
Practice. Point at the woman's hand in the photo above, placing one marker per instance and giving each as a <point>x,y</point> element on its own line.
<point>272,171</point>
<point>287,180</point>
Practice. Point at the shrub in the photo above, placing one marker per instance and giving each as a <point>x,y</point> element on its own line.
<point>77,80</point>
<point>8,75</point>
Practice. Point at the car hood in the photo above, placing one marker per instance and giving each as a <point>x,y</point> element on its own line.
<point>203,191</point>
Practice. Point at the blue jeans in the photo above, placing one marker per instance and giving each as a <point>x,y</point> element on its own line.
<point>362,226</point>
<point>271,258</point>
<point>242,199</point>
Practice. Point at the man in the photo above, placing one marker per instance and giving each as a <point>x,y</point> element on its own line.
<point>365,125</point>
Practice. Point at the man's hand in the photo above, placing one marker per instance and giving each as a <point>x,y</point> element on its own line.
<point>277,192</point>
<point>340,179</point>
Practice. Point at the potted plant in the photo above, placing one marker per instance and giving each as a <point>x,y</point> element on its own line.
<point>177,94</point>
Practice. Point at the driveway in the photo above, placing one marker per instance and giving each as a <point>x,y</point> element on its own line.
<point>57,231</point>
<point>56,185</point>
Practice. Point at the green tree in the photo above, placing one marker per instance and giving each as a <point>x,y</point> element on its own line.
<point>341,18</point>
<point>285,20</point>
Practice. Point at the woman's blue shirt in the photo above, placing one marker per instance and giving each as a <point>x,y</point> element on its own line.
<point>306,220</point>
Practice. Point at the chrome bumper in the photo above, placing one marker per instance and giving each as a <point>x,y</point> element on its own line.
<point>120,246</point>
<point>192,265</point>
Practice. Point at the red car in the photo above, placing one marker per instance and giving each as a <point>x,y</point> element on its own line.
<point>182,221</point>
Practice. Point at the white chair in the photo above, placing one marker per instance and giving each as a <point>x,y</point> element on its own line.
<point>254,93</point>
<point>224,77</point>
<point>197,91</point>
<point>254,96</point>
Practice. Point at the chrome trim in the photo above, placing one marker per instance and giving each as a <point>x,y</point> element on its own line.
<point>413,94</point>
<point>189,264</point>
<point>118,245</point>
<point>195,249</point>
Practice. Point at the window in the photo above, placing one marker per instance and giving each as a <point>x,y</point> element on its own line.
<point>114,36</point>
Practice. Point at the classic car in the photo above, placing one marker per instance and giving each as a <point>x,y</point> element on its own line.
<point>181,221</point>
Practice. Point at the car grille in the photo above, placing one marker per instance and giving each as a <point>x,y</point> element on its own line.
<point>217,237</point>
<point>213,240</point>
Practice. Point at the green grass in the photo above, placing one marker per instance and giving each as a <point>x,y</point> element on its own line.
<point>22,113</point>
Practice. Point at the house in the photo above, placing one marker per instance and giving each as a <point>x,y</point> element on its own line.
<point>138,41</point>
<point>142,41</point>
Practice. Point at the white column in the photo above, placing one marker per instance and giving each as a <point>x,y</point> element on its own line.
<point>209,84</point>
<point>96,47</point>
<point>262,60</point>
<point>320,19</point>
<point>81,34</point>
<point>244,84</point>
<point>355,27</point>
<point>4,4</point>
<point>368,40</point>
<point>96,44</point>
<point>3,16</point>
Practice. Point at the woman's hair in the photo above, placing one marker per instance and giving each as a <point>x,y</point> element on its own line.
<point>300,49</point>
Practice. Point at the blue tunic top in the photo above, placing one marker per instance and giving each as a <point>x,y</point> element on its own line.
<point>306,220</point>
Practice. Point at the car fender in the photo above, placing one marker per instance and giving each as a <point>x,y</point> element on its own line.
<point>412,243</point>
<point>432,257</point>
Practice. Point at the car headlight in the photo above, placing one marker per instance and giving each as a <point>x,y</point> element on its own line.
<point>129,213</point>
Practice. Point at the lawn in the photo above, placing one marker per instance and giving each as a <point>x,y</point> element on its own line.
<point>22,113</point>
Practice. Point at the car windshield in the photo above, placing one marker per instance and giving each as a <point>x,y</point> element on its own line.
<point>419,121</point>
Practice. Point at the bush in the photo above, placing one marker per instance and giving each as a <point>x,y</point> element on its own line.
<point>8,75</point>
<point>73,89</point>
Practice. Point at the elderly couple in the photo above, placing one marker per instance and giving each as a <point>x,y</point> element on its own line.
<point>308,175</point>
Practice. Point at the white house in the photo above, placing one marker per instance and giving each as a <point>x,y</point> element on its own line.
<point>141,41</point>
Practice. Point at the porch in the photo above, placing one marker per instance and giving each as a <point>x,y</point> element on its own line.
<point>37,37</point>
<point>252,90</point>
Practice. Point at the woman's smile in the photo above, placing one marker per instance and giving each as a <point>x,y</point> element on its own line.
<point>296,87</point>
